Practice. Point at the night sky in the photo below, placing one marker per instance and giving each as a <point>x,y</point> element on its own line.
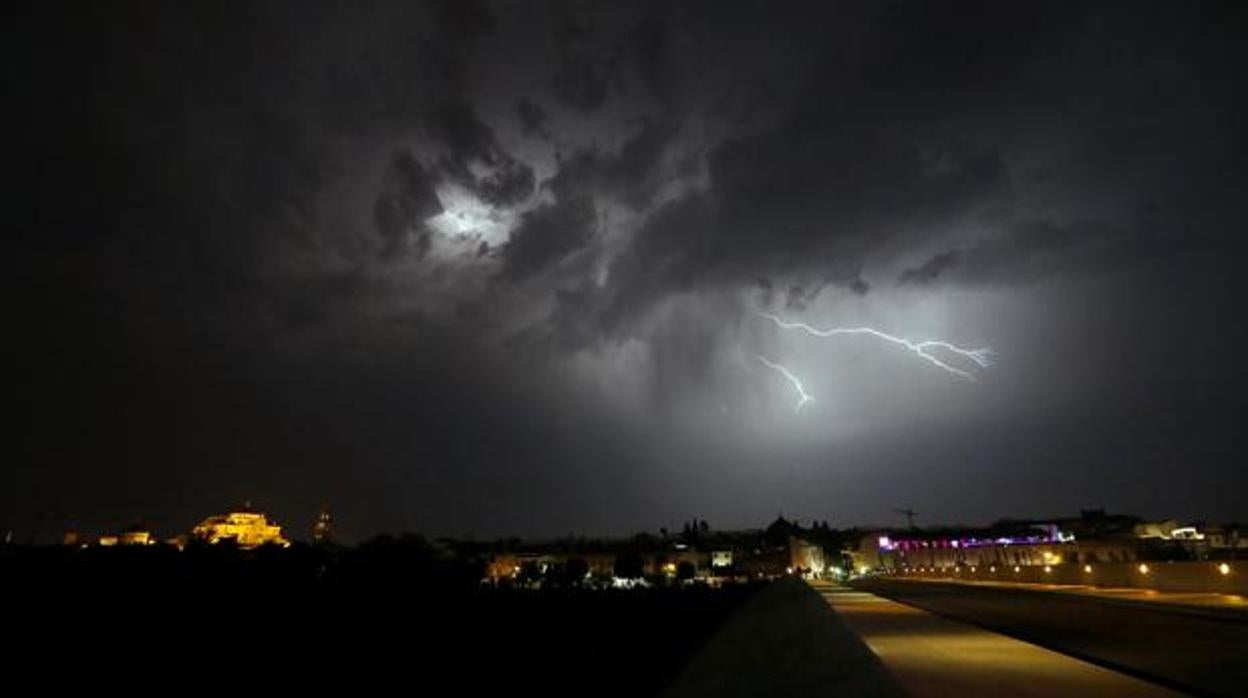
<point>484,269</point>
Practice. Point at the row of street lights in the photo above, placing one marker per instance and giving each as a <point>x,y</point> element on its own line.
<point>1223,569</point>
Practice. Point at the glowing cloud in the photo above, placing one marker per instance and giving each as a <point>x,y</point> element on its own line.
<point>464,216</point>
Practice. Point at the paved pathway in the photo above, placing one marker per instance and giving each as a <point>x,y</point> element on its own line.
<point>931,655</point>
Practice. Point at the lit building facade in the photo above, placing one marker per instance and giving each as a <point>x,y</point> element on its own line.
<point>137,537</point>
<point>1091,539</point>
<point>889,551</point>
<point>247,529</point>
<point>132,535</point>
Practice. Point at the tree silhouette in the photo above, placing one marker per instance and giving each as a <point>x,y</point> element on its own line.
<point>630,565</point>
<point>686,571</point>
<point>575,571</point>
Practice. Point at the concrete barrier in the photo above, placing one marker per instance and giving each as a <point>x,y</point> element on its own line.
<point>1229,577</point>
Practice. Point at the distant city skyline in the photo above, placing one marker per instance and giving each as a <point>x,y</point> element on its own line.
<point>325,526</point>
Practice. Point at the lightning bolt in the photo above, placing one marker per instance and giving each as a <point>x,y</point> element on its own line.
<point>803,396</point>
<point>980,357</point>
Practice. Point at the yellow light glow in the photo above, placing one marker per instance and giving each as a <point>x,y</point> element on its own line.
<point>1087,568</point>
<point>1224,569</point>
<point>247,529</point>
<point>136,538</point>
<point>1143,568</point>
<point>1016,568</point>
<point>1048,569</point>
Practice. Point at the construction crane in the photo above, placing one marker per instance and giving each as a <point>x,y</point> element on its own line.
<point>910,514</point>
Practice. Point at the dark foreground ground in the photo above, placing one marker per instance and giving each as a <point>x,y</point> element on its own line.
<point>1202,652</point>
<point>385,621</point>
<point>785,641</point>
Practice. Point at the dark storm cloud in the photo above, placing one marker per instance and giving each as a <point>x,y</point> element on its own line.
<point>664,257</point>
<point>407,199</point>
<point>583,77</point>
<point>930,270</point>
<point>305,304</point>
<point>798,296</point>
<point>456,126</point>
<point>598,60</point>
<point>582,82</point>
<point>533,118</point>
<point>206,191</point>
<point>789,192</point>
<point>470,141</point>
<point>466,20</point>
<point>546,235</point>
<point>798,198</point>
<point>650,45</point>
<point>897,152</point>
<point>1035,250</point>
<point>511,184</point>
<point>631,175</point>
<point>767,291</point>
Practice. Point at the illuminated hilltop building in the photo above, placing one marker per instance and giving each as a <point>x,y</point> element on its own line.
<point>248,529</point>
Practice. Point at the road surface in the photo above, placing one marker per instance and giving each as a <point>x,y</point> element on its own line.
<point>1203,651</point>
<point>1212,600</point>
<point>930,655</point>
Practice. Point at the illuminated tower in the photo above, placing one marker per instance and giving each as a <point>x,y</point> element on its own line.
<point>323,529</point>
